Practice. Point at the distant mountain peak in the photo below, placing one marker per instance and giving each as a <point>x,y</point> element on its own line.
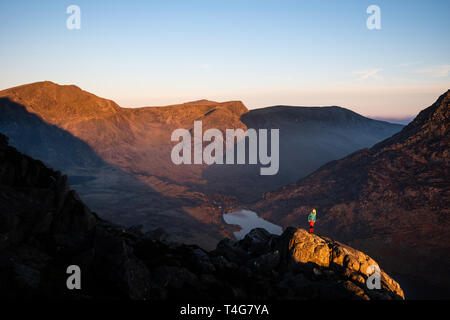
<point>40,85</point>
<point>201,101</point>
<point>330,115</point>
<point>53,101</point>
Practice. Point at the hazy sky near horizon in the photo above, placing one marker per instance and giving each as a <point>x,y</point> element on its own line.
<point>309,53</point>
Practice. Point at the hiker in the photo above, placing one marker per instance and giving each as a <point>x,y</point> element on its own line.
<point>312,220</point>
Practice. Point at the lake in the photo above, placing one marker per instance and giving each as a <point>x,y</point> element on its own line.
<point>249,220</point>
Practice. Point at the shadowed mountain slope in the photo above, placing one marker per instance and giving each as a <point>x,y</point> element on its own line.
<point>309,138</point>
<point>118,195</point>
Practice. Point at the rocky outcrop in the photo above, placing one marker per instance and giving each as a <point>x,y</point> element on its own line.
<point>333,257</point>
<point>45,227</point>
<point>304,265</point>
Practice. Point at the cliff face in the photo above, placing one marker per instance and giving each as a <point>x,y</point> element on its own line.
<point>391,201</point>
<point>45,227</point>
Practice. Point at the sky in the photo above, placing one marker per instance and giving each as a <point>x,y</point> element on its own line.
<point>305,53</point>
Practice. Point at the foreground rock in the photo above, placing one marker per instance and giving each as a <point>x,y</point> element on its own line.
<point>45,227</point>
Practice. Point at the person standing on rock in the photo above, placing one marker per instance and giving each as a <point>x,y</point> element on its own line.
<point>312,220</point>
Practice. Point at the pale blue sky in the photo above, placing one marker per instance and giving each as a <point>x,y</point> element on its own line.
<point>261,52</point>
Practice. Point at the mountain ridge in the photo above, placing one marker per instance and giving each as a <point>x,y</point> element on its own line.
<point>322,113</point>
<point>141,132</point>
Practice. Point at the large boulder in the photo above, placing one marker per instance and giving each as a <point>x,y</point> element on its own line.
<point>308,249</point>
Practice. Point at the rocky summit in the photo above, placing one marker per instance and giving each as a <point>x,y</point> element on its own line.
<point>45,227</point>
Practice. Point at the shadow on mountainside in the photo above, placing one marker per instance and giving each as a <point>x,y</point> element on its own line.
<point>309,137</point>
<point>115,194</point>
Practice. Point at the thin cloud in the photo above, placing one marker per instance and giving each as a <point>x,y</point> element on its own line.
<point>436,71</point>
<point>367,74</point>
<point>408,64</point>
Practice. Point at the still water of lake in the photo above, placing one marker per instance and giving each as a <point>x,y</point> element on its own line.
<point>249,220</point>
